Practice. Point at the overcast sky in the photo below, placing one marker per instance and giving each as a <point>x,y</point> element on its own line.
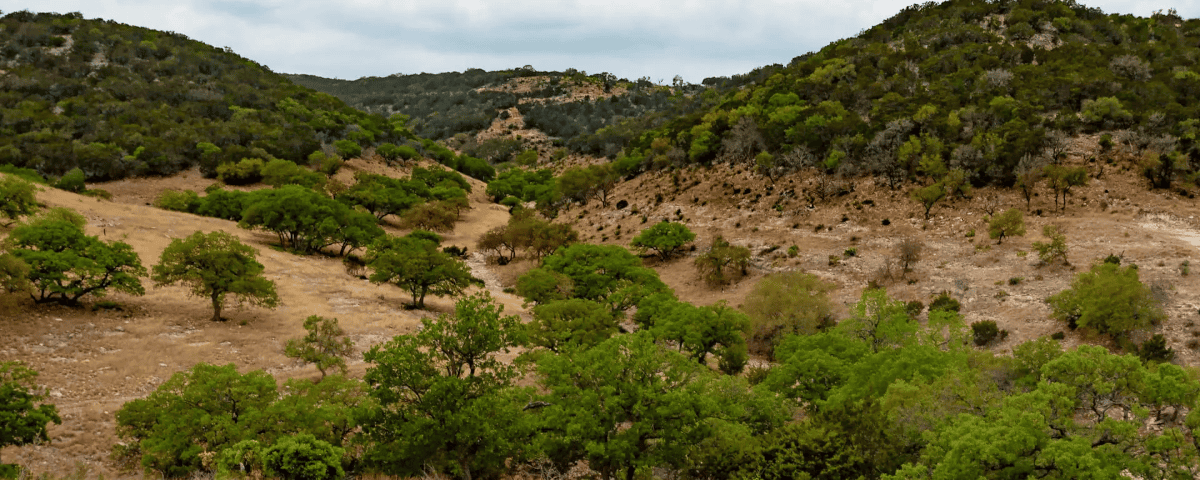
<point>349,39</point>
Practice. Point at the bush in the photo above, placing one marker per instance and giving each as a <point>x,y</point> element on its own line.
<point>72,181</point>
<point>943,301</point>
<point>17,198</point>
<point>304,457</point>
<point>666,239</point>
<point>347,148</point>
<point>1108,299</point>
<point>65,264</point>
<point>786,303</point>
<point>277,173</point>
<point>178,201</point>
<point>722,262</point>
<point>244,172</point>
<point>1156,350</point>
<point>1055,250</point>
<point>984,332</point>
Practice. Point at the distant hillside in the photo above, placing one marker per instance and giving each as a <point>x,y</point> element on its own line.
<point>117,100</point>
<point>570,106</point>
<point>964,87</point>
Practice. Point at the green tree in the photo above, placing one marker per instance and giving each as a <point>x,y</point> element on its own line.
<point>666,239</point>
<point>1109,299</point>
<point>23,413</point>
<point>1061,178</point>
<point>306,221</point>
<point>416,265</point>
<point>65,264</point>
<point>17,198</point>
<point>204,409</point>
<point>628,405</point>
<point>324,346</point>
<point>722,261</point>
<point>1011,223</point>
<point>608,274</point>
<point>698,330</point>
<point>214,265</point>
<point>572,323</point>
<point>787,303</point>
<point>879,321</point>
<point>445,399</point>
<point>929,196</point>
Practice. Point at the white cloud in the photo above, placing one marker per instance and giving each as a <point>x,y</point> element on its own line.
<point>631,38</point>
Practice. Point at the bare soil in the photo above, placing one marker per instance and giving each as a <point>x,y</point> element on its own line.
<point>92,361</point>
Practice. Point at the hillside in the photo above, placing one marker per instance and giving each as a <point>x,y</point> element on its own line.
<point>116,101</point>
<point>809,353</point>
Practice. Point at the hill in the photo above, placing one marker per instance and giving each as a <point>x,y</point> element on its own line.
<point>116,100</point>
<point>814,354</point>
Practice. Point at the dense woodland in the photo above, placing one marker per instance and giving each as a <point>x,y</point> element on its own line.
<point>614,371</point>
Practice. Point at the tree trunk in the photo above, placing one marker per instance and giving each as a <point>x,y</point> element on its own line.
<point>216,302</point>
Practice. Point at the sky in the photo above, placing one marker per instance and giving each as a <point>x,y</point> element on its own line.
<point>349,39</point>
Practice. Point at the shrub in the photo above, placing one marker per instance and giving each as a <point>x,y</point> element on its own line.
<point>178,201</point>
<point>666,239</point>
<point>245,172</point>
<point>786,303</point>
<point>1156,350</point>
<point>65,264</point>
<point>347,148</point>
<point>908,253</point>
<point>72,181</point>
<point>17,198</point>
<point>1108,299</point>
<point>1055,249</point>
<point>722,261</point>
<point>943,301</point>
<point>324,346</point>
<point>984,332</point>
<point>304,457</point>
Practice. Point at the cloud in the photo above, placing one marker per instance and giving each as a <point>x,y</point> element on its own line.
<point>631,38</point>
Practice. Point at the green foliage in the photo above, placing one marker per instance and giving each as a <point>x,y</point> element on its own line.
<point>537,237</point>
<point>416,265</point>
<point>666,239</point>
<point>1011,223</point>
<point>277,173</point>
<point>23,413</point>
<point>206,408</point>
<point>1156,350</point>
<point>445,399</point>
<point>324,346</point>
<point>527,185</point>
<point>215,265</point>
<point>787,303</point>
<point>17,198</point>
<point>347,148</point>
<point>943,301</point>
<point>929,196</point>
<point>581,184</point>
<point>244,172</point>
<point>984,332</point>
<point>1061,178</point>
<point>308,221</point>
<point>65,264</point>
<point>697,330</point>
<point>303,457</point>
<point>570,324</point>
<point>608,274</point>
<point>178,201</point>
<point>14,274</point>
<point>722,262</point>
<point>879,321</point>
<point>1056,249</point>
<point>628,405</point>
<point>1108,299</point>
<point>72,181</point>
